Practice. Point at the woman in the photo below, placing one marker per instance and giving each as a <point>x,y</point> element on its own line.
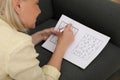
<point>17,54</point>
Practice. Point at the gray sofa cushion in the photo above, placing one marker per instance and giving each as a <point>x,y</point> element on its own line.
<point>46,24</point>
<point>100,69</point>
<point>101,15</point>
<point>115,76</point>
<point>46,11</point>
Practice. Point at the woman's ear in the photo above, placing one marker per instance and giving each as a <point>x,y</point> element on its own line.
<point>16,5</point>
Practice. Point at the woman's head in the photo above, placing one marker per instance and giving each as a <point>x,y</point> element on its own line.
<point>21,14</point>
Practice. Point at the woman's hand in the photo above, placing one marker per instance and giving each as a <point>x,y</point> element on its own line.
<point>65,38</point>
<point>43,35</point>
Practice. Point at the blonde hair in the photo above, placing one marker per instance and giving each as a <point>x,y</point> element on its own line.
<point>10,16</point>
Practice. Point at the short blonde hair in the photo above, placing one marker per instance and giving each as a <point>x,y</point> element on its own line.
<point>10,16</point>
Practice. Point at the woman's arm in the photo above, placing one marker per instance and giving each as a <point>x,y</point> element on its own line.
<point>64,40</point>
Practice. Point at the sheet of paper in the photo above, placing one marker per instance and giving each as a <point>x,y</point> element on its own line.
<point>86,47</point>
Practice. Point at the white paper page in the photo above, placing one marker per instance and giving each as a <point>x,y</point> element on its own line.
<point>86,47</point>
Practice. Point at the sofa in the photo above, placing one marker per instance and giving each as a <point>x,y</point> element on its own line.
<point>100,15</point>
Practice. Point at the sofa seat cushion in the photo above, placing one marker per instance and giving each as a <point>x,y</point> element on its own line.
<point>115,76</point>
<point>101,68</point>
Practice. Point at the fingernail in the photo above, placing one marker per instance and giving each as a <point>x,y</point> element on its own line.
<point>61,30</point>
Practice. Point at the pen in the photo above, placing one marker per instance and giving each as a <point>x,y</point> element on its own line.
<point>61,29</point>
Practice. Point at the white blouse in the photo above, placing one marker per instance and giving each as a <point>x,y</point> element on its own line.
<point>18,57</point>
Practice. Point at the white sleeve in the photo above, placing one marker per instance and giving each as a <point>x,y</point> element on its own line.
<point>23,65</point>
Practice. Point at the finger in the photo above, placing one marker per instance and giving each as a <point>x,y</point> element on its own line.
<point>68,27</point>
<point>49,30</point>
<point>45,37</point>
<point>53,31</point>
<point>60,34</point>
<point>61,29</point>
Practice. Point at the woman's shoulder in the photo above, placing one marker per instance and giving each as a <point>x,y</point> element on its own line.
<point>11,38</point>
<point>8,32</point>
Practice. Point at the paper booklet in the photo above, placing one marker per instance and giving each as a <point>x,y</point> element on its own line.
<point>86,47</point>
